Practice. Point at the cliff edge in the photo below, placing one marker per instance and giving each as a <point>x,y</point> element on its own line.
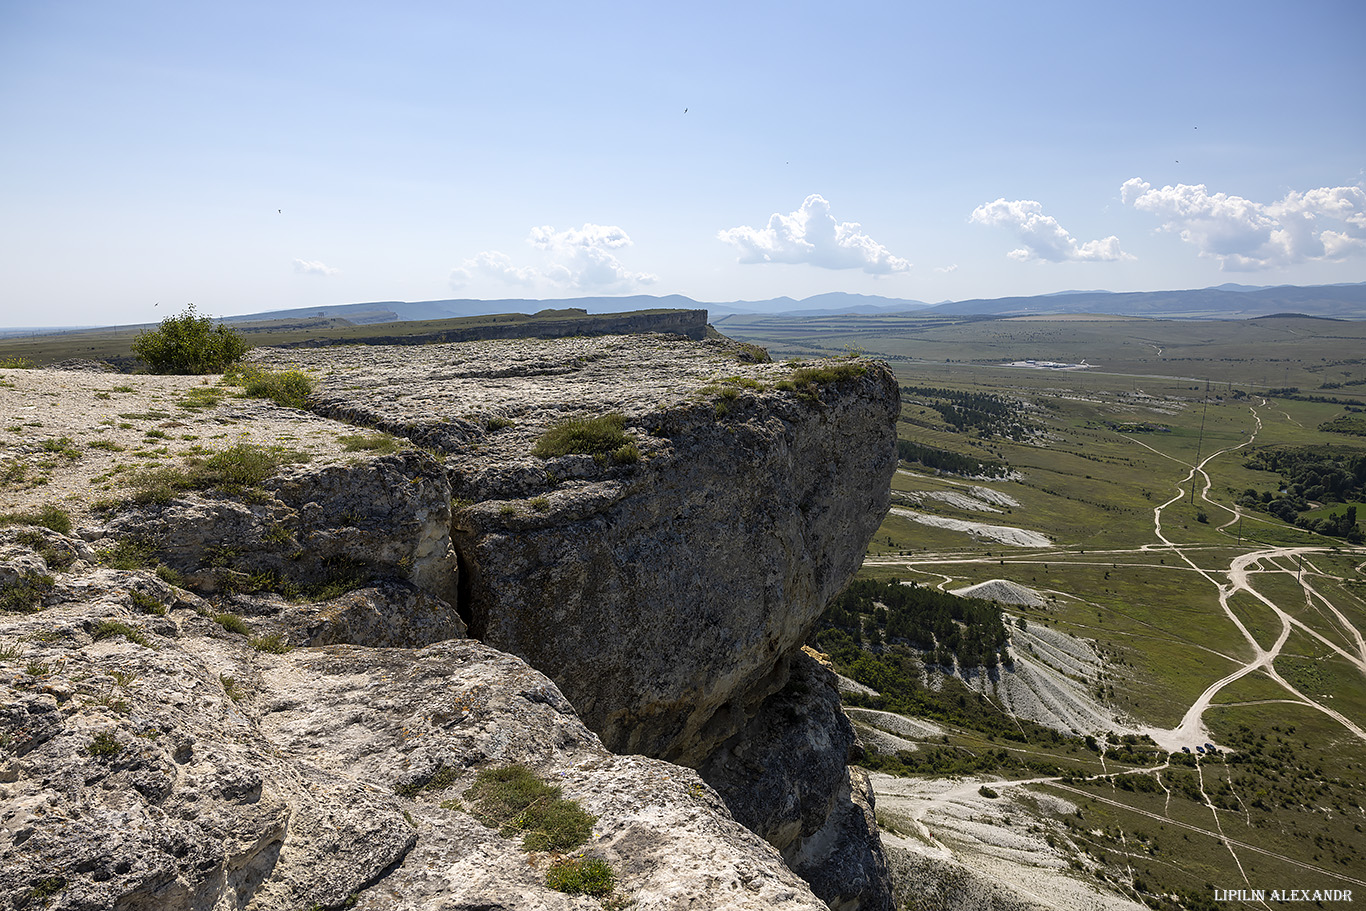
<point>652,523</point>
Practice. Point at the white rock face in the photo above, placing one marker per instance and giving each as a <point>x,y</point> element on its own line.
<point>192,772</point>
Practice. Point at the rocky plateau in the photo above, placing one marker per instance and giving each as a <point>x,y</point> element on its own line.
<point>278,694</point>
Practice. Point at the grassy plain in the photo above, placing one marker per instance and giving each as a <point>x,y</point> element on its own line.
<point>1141,547</point>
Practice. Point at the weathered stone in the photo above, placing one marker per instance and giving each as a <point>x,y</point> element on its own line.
<point>785,776</point>
<point>387,516</point>
<point>195,773</point>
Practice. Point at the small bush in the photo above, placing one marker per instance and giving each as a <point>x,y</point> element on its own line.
<point>48,516</point>
<point>189,344</point>
<point>25,593</point>
<point>146,603</point>
<point>498,422</point>
<point>274,643</point>
<point>581,876</point>
<point>586,436</point>
<point>232,623</point>
<point>16,363</point>
<point>289,388</point>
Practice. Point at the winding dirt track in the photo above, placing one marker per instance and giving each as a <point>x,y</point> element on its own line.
<point>1237,579</point>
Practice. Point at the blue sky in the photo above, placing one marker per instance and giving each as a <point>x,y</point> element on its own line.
<point>252,156</point>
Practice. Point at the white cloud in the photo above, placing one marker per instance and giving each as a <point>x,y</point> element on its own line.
<point>810,235</point>
<point>952,268</point>
<point>580,259</point>
<point>1317,225</point>
<point>306,267</point>
<point>493,264</point>
<point>1042,236</point>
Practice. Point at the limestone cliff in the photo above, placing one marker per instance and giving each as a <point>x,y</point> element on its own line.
<point>664,584</point>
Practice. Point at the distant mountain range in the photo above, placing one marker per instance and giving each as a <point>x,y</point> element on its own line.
<point>1228,301</point>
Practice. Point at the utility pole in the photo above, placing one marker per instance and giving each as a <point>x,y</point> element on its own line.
<point>1199,446</point>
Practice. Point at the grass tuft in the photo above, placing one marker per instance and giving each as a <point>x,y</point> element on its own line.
<point>587,436</point>
<point>581,876</point>
<point>48,516</point>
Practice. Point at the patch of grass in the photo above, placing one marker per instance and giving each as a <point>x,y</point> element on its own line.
<point>596,436</point>
<point>47,515</point>
<point>25,594</point>
<point>201,397</point>
<point>63,446</point>
<point>512,799</point>
<point>10,650</point>
<point>169,576</point>
<point>581,876</point>
<point>16,363</point>
<point>230,470</point>
<point>805,381</point>
<point>378,443</point>
<point>104,744</point>
<point>498,422</point>
<point>106,445</point>
<point>232,623</point>
<point>273,643</point>
<point>288,388</point>
<point>106,629</point>
<point>540,504</point>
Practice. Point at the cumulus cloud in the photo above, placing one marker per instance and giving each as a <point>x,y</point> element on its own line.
<point>952,268</point>
<point>1042,236</point>
<point>307,267</point>
<point>580,259</point>
<point>1317,225</point>
<point>811,235</point>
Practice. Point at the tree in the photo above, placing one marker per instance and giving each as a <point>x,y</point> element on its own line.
<point>189,344</point>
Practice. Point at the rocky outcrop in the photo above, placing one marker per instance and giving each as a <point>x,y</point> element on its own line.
<point>154,761</point>
<point>786,775</point>
<point>310,528</point>
<point>662,594</point>
<point>663,581</point>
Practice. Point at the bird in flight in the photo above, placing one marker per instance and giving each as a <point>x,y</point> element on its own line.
<point>685,110</point>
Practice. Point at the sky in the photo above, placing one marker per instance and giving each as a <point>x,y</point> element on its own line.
<point>250,156</point>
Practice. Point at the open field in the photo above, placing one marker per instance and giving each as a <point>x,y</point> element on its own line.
<point>1217,621</point>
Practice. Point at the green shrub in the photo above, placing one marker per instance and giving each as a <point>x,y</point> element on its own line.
<point>587,436</point>
<point>581,876</point>
<point>238,466</point>
<point>189,344</point>
<point>289,388</point>
<point>47,515</point>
